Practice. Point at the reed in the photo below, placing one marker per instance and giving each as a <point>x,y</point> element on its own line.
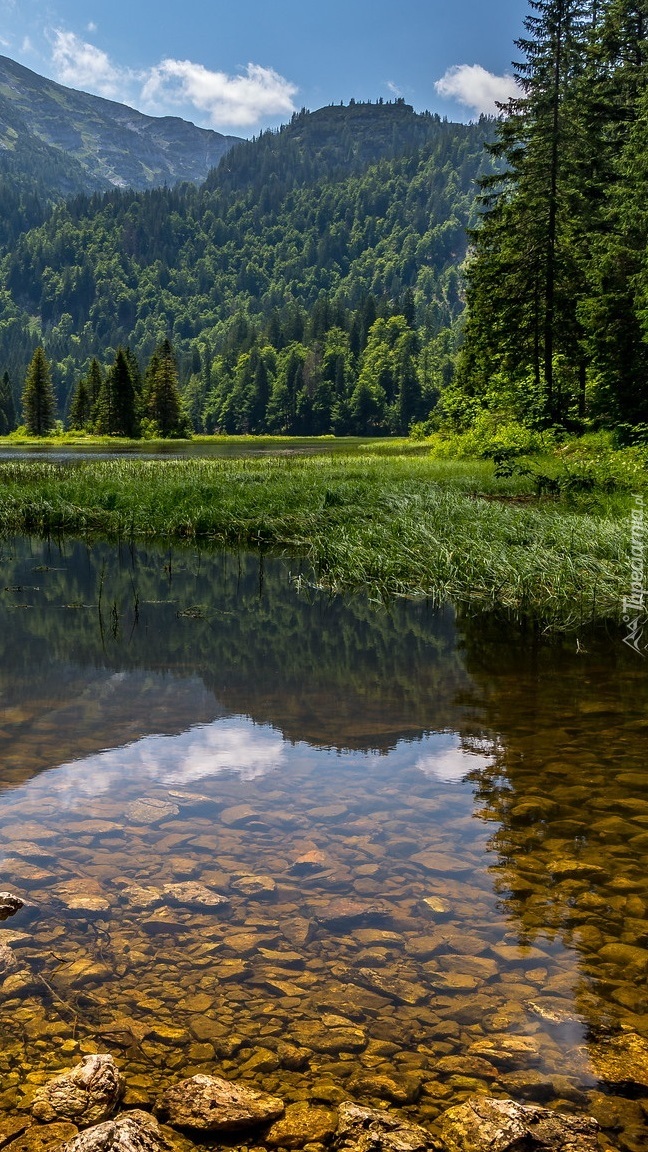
<point>392,525</point>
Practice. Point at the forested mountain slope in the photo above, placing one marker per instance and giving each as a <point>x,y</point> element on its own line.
<point>346,203</point>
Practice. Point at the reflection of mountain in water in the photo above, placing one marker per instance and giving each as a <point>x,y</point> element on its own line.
<point>101,646</point>
<point>167,644</point>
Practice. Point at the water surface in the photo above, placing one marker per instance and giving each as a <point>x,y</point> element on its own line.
<point>432,837</point>
<point>213,448</point>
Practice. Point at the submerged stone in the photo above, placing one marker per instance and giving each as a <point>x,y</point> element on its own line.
<point>8,961</point>
<point>572,869</point>
<point>370,1130</point>
<point>552,1012</point>
<point>442,863</point>
<point>141,897</point>
<point>43,1138</point>
<point>435,907</point>
<point>150,810</point>
<point>504,1126</point>
<point>302,1124</point>
<point>625,955</point>
<point>507,1051</point>
<point>135,1131</point>
<point>384,1087</point>
<point>387,983</point>
<point>84,971</point>
<point>191,894</point>
<point>309,863</point>
<point>240,816</point>
<point>254,885</point>
<point>11,1127</point>
<point>9,905</point>
<point>343,913</point>
<point>214,1105</point>
<point>87,1095</point>
<point>621,1060</point>
<point>83,896</point>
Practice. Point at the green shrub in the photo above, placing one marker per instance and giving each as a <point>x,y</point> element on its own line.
<point>493,436</point>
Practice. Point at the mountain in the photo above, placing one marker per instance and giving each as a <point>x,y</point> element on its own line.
<point>73,142</point>
<point>345,214</point>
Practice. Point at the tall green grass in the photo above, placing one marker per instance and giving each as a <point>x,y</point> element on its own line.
<point>391,525</point>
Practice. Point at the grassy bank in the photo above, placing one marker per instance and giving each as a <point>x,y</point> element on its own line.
<point>393,525</point>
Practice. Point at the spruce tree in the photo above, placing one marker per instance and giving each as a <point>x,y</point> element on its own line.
<point>163,394</point>
<point>614,309</point>
<point>95,384</point>
<point>116,407</point>
<point>7,406</point>
<point>528,273</point>
<point>82,405</point>
<point>38,400</point>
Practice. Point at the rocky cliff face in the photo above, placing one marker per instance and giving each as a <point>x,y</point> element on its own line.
<point>103,144</point>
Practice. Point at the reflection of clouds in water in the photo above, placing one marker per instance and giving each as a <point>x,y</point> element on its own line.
<point>224,746</point>
<point>449,763</point>
<point>220,747</point>
<point>234,745</point>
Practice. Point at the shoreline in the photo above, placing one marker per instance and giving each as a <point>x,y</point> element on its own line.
<point>390,525</point>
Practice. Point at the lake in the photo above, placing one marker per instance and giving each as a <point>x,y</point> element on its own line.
<point>204,448</point>
<point>331,849</point>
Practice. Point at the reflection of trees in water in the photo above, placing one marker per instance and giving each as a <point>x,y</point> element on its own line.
<point>566,792</point>
<point>345,673</point>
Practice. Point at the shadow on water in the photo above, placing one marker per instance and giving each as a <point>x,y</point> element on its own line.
<point>433,837</point>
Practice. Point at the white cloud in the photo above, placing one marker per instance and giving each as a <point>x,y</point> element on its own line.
<point>26,45</point>
<point>91,27</point>
<point>394,89</point>
<point>475,88</point>
<point>241,101</point>
<point>84,66</point>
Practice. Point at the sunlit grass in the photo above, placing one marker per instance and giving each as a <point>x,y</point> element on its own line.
<point>389,524</point>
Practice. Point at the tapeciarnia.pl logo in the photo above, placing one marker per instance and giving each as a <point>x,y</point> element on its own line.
<point>634,605</point>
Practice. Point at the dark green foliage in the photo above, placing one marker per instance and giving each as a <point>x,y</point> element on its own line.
<point>344,214</point>
<point>163,406</point>
<point>556,325</point>
<point>81,407</point>
<point>116,411</point>
<point>614,309</point>
<point>38,400</point>
<point>95,384</point>
<point>318,385</point>
<point>7,406</point>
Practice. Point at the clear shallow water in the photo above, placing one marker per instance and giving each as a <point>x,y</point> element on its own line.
<point>446,828</point>
<point>215,448</point>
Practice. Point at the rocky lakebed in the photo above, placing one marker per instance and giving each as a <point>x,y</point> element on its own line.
<point>286,871</point>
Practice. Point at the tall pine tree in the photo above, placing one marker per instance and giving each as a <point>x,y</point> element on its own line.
<point>163,394</point>
<point>613,310</point>
<point>38,400</point>
<point>85,399</point>
<point>116,407</point>
<point>527,275</point>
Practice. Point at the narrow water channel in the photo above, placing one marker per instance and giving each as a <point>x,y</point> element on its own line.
<point>331,849</point>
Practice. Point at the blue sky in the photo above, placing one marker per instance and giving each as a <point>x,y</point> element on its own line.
<point>240,66</point>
